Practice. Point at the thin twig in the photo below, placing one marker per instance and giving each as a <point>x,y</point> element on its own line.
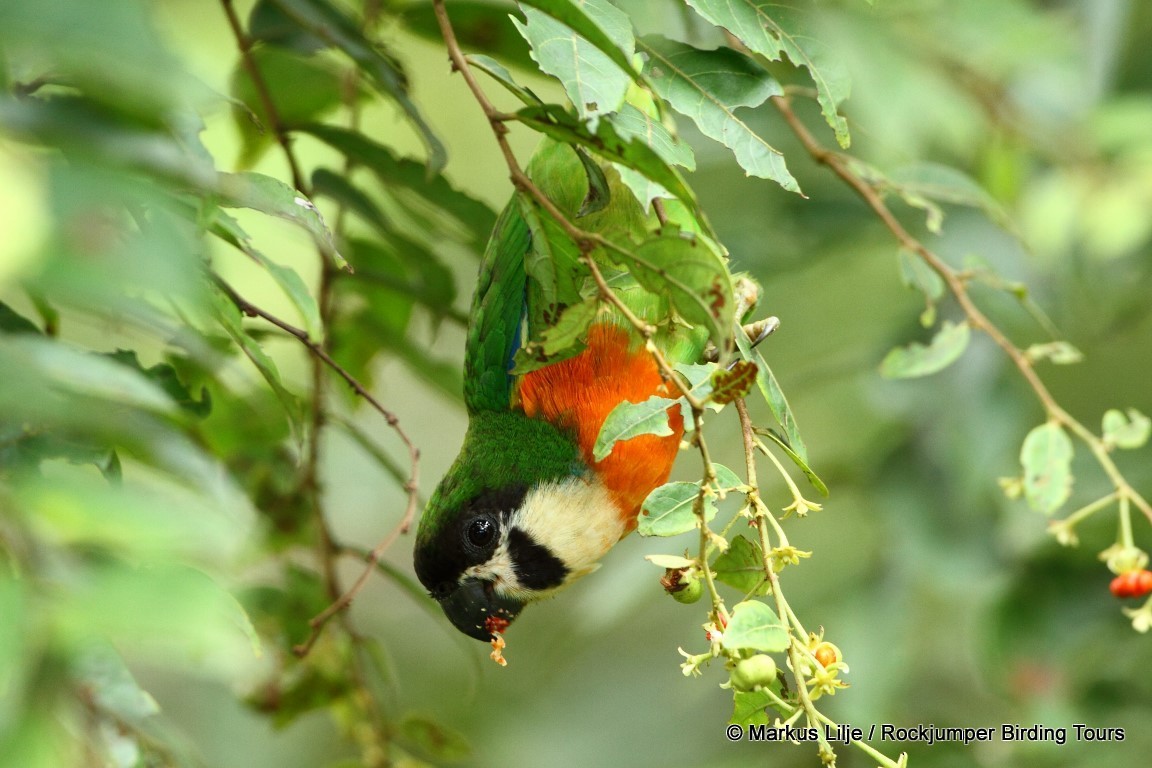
<point>318,621</point>
<point>957,286</point>
<point>411,486</point>
<point>271,114</point>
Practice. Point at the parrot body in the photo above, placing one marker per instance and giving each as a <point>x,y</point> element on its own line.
<point>526,509</point>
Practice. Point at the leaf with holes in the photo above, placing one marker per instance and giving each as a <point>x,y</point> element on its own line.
<point>595,85</point>
<point>609,33</point>
<point>733,383</point>
<point>689,270</point>
<point>669,510</point>
<point>1047,459</point>
<point>558,341</point>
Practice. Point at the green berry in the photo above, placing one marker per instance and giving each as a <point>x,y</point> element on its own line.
<point>753,673</point>
<point>688,590</point>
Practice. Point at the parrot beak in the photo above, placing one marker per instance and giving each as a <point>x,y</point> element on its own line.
<point>477,610</point>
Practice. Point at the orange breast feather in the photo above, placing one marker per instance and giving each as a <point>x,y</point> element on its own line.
<point>579,393</point>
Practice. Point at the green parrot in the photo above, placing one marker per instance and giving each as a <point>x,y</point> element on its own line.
<point>526,508</point>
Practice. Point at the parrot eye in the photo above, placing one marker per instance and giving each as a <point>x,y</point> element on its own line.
<point>481,533</point>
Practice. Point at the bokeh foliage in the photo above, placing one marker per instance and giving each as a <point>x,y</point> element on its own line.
<point>165,502</point>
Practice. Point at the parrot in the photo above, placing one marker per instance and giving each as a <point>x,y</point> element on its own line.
<point>526,508</point>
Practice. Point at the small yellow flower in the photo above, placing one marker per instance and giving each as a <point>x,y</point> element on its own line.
<point>1065,534</point>
<point>783,556</point>
<point>1141,617</point>
<point>1121,559</point>
<point>802,507</point>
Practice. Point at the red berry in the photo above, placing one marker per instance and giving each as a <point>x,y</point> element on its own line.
<point>1119,586</point>
<point>1143,583</point>
<point>1132,584</point>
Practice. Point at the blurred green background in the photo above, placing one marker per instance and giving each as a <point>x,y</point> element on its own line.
<point>951,604</point>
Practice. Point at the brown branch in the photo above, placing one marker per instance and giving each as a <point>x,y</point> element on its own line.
<point>271,114</point>
<point>957,286</point>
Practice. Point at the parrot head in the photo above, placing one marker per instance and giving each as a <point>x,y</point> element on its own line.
<point>518,516</point>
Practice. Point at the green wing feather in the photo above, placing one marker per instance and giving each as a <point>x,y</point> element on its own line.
<point>497,312</point>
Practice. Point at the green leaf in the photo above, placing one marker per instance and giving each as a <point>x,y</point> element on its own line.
<point>915,273</point>
<point>300,88</point>
<point>668,510</point>
<point>500,74</point>
<point>670,561</point>
<point>480,26</point>
<point>269,23</point>
<point>332,25</point>
<point>287,278</point>
<point>628,420</point>
<point>1059,352</point>
<point>609,33</point>
<point>1130,432</point>
<point>650,417</point>
<point>12,322</point>
<point>754,626</point>
<point>778,404</point>
<point>633,124</point>
<point>112,686</point>
<point>473,217</point>
<point>338,188</point>
<point>800,462</point>
<point>81,373</point>
<point>750,708</point>
<point>689,270</point>
<point>275,198</point>
<point>558,340</point>
<point>393,271</point>
<point>770,30</point>
<point>726,478</point>
<point>742,567</point>
<point>435,740</point>
<point>230,320</point>
<point>708,87</point>
<point>82,511</point>
<point>165,376</point>
<point>595,85</point>
<point>920,360</point>
<point>1047,459</point>
<point>734,382</point>
<point>923,184</point>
